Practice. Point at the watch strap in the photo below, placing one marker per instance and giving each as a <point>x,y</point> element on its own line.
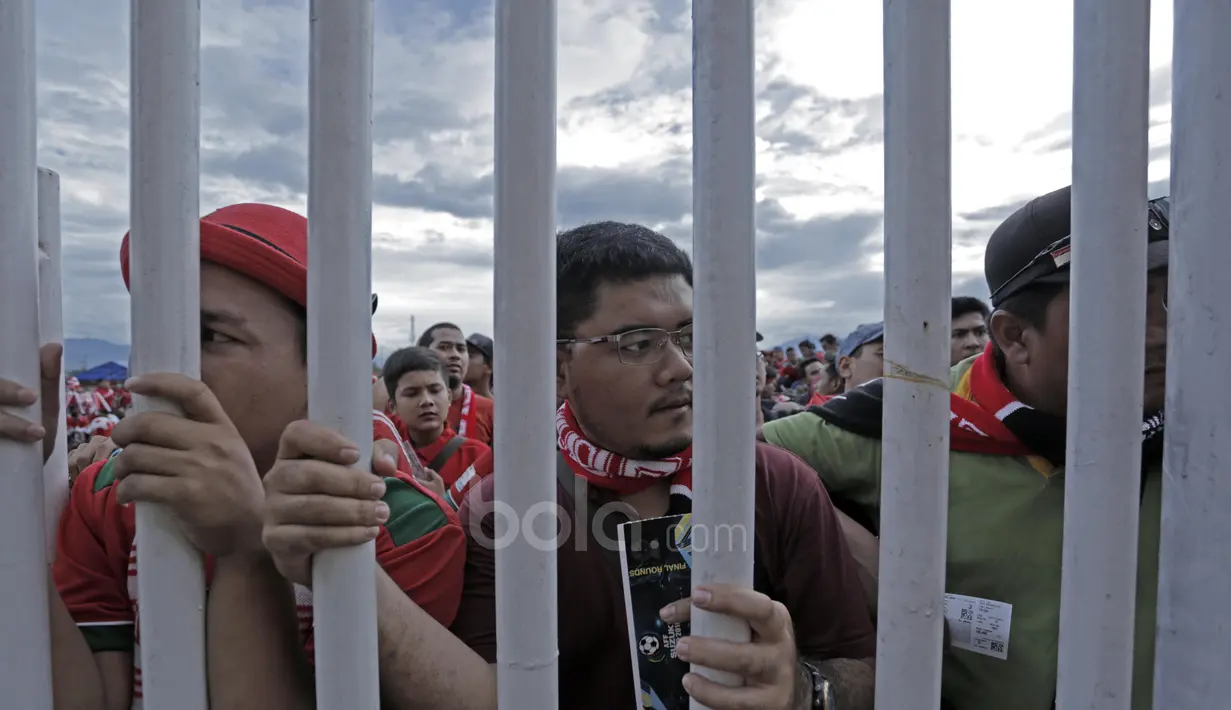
<point>822,691</point>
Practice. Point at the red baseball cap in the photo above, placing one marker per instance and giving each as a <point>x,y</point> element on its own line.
<point>265,243</point>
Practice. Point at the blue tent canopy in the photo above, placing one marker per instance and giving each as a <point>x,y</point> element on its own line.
<point>113,371</point>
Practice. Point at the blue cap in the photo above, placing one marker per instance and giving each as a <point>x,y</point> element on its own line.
<point>864,334</point>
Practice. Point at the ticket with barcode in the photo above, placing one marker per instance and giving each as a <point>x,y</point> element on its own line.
<point>979,625</point>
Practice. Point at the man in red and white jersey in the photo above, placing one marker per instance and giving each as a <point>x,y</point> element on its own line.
<point>242,421</point>
<point>470,414</point>
<point>107,393</point>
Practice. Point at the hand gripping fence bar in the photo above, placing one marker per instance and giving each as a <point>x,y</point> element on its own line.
<point>340,329</point>
<point>1109,159</point>
<point>525,319</point>
<point>724,227</point>
<point>25,666</point>
<point>165,277</point>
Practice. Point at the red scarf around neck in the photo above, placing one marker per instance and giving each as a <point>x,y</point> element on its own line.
<point>611,471</point>
<point>978,407</point>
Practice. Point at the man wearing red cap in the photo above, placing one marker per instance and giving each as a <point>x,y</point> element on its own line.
<point>241,419</point>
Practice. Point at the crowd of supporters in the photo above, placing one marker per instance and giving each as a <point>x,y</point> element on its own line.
<point>258,489</point>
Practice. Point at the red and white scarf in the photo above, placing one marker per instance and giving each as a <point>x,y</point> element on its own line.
<point>466,422</point>
<point>611,471</point>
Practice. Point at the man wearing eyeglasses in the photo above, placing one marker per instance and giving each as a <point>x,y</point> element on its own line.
<point>1006,500</point>
<point>624,373</point>
<point>624,364</point>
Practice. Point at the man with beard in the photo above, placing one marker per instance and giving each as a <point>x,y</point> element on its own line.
<point>1006,485</point>
<point>624,363</point>
<point>471,414</point>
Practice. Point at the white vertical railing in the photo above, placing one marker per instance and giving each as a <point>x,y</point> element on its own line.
<point>915,458</point>
<point>1194,630</point>
<point>165,277</point>
<point>25,661</point>
<point>340,330</point>
<point>51,330</point>
<point>724,309</point>
<point>1107,313</point>
<point>525,319</point>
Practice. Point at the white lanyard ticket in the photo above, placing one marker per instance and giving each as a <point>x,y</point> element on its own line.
<point>979,625</point>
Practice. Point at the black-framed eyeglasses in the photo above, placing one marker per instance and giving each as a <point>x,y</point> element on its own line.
<point>644,346</point>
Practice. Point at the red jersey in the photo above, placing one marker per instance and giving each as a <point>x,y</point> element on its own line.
<point>463,456</point>
<point>473,416</point>
<point>421,547</point>
<point>385,427</point>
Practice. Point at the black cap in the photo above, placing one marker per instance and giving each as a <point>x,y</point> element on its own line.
<point>482,343</point>
<point>1027,233</point>
<point>1044,225</point>
<point>760,337</point>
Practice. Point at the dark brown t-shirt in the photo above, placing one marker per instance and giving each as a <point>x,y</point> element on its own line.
<point>800,550</point>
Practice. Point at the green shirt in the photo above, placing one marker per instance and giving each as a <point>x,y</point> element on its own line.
<point>1006,522</point>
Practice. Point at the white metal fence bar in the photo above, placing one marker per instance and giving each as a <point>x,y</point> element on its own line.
<point>915,458</point>
<point>51,330</point>
<point>165,278</point>
<point>25,661</point>
<point>724,305</point>
<point>1107,314</point>
<point>340,329</point>
<point>525,320</point>
<point>1194,630</point>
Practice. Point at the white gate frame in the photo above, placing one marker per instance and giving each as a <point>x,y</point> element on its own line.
<point>1108,307</point>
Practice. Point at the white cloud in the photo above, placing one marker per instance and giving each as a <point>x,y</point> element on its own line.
<point>624,111</point>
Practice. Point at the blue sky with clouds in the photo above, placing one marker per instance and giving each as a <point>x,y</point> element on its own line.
<point>624,139</point>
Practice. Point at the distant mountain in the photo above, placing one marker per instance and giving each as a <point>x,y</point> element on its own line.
<point>84,353</point>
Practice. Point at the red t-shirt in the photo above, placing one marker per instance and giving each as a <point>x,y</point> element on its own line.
<point>421,547</point>
<point>479,420</point>
<point>462,458</point>
<point>818,399</point>
<point>799,545</point>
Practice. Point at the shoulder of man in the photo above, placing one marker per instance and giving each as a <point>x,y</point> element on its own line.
<point>848,463</point>
<point>95,486</point>
<point>414,511</point>
<point>804,431</point>
<point>422,547</point>
<point>93,560</point>
<point>956,372</point>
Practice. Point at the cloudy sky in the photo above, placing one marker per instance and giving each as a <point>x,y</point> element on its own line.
<point>624,139</point>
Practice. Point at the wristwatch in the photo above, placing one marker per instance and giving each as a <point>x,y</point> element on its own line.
<point>823,697</point>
